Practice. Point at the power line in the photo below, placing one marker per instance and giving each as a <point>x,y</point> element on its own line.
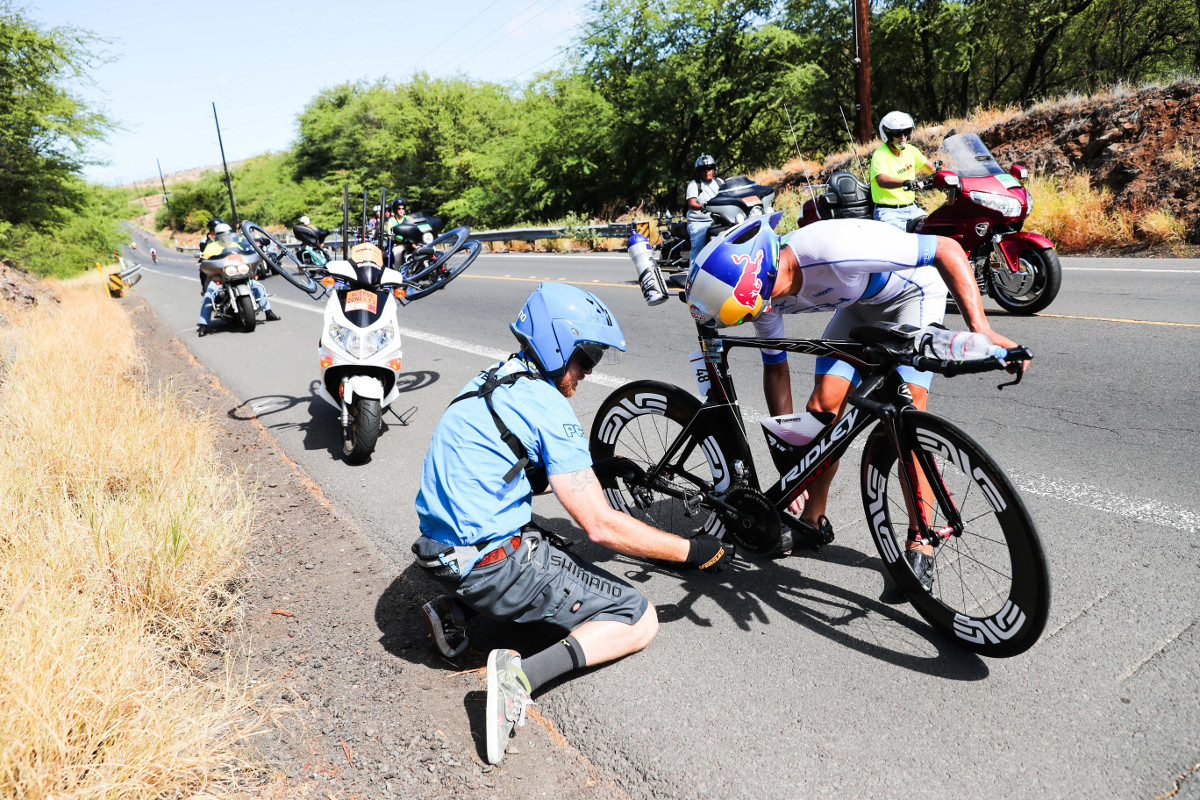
<point>497,41</point>
<point>451,36</point>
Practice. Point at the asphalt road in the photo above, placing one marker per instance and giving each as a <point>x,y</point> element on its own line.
<point>802,678</point>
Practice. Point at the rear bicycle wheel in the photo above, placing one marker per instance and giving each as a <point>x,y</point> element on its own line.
<point>280,259</point>
<point>443,270</point>
<point>631,433</point>
<point>442,246</point>
<point>991,582</point>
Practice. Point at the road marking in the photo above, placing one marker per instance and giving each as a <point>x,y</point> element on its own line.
<point>1099,499</point>
<point>1126,321</point>
<point>533,279</point>
<point>1127,269</point>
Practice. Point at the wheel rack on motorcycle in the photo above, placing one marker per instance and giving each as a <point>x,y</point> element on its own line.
<point>377,273</point>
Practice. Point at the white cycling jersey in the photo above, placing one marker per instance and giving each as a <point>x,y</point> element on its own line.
<point>849,262</point>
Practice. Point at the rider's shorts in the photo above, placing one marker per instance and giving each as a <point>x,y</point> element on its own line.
<point>921,303</point>
<point>542,583</point>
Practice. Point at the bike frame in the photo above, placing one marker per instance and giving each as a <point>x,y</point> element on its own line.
<point>808,463</point>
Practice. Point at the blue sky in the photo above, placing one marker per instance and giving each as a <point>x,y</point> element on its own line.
<point>261,62</point>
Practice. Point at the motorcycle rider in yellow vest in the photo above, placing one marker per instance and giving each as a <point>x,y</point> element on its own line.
<point>895,167</point>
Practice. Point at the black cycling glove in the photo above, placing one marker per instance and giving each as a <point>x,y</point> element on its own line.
<point>910,186</point>
<point>707,553</point>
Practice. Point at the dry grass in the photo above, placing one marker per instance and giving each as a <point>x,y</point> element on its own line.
<point>1160,227</point>
<point>121,541</point>
<point>1075,216</point>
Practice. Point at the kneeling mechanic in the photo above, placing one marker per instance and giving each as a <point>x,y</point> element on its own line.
<point>509,434</point>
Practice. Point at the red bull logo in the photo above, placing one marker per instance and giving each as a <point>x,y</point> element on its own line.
<point>748,290</point>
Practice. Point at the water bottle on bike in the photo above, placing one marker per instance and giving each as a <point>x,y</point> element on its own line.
<point>947,345</point>
<point>649,277</point>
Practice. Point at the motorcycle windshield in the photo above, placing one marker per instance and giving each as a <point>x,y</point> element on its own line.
<point>968,156</point>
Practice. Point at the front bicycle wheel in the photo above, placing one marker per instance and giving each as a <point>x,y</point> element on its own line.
<point>630,436</point>
<point>444,269</point>
<point>991,583</point>
<point>279,258</point>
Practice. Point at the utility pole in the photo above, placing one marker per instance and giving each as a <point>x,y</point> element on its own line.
<point>228,180</point>
<point>862,73</point>
<point>166,195</point>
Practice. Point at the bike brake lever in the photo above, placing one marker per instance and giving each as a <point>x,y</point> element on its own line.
<point>1023,354</point>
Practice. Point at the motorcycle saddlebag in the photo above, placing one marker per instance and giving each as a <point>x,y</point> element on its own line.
<point>848,197</point>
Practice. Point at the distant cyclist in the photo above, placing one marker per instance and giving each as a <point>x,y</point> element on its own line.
<point>863,271</point>
<point>895,167</point>
<point>153,255</point>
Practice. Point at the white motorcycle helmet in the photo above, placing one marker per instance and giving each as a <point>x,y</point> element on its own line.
<point>305,221</point>
<point>893,123</point>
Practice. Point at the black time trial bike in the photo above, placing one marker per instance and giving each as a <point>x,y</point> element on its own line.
<point>685,466</point>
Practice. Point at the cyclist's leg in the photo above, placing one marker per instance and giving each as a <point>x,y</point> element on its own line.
<point>833,381</point>
<point>829,394</point>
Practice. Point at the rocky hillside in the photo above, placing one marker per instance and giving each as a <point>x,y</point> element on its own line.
<point>1144,145</point>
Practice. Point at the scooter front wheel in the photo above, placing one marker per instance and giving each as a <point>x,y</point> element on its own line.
<point>360,440</point>
<point>1030,289</point>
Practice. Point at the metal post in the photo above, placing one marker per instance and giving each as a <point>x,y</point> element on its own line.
<point>228,180</point>
<point>166,197</point>
<point>862,72</point>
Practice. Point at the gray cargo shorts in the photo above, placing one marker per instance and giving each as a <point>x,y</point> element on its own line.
<point>541,583</point>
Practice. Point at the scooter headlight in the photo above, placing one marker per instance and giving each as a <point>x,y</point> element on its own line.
<point>361,344</point>
<point>1004,204</point>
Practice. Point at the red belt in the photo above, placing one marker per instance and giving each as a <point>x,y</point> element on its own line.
<point>498,553</point>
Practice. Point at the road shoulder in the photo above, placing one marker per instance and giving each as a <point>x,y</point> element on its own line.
<point>333,626</point>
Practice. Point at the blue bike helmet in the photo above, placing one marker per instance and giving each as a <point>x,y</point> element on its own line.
<point>734,275</point>
<point>559,319</point>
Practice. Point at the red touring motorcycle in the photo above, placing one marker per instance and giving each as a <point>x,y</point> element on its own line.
<point>984,212</point>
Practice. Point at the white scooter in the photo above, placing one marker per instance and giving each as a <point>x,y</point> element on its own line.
<point>360,346</point>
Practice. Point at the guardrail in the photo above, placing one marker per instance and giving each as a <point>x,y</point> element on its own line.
<point>610,230</point>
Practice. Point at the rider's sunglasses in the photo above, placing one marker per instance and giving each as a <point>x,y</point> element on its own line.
<point>588,354</point>
<point>906,133</point>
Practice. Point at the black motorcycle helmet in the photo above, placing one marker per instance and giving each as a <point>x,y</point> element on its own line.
<point>214,222</point>
<point>705,162</point>
<point>398,204</point>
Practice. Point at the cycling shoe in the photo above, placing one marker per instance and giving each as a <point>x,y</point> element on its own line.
<point>922,566</point>
<point>800,533</point>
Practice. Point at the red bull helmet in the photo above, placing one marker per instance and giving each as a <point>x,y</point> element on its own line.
<point>734,275</point>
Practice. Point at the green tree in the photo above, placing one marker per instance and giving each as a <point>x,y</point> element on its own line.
<point>44,128</point>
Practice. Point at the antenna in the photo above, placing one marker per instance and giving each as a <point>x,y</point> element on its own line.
<point>803,166</point>
<point>345,222</point>
<point>853,145</point>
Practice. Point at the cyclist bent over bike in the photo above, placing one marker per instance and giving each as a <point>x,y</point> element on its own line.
<point>862,270</point>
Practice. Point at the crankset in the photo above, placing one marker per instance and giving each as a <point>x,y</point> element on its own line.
<point>755,525</point>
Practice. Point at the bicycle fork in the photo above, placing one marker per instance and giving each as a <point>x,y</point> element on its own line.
<point>921,481</point>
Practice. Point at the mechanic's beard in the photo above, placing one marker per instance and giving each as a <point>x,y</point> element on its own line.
<point>567,384</point>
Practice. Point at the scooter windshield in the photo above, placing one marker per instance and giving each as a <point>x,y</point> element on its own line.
<point>968,156</point>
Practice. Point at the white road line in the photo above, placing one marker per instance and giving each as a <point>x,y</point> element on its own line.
<point>1123,269</point>
<point>1106,502</point>
<point>1079,494</point>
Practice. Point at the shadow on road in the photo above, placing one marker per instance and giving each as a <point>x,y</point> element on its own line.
<point>756,595</point>
<point>323,428</point>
